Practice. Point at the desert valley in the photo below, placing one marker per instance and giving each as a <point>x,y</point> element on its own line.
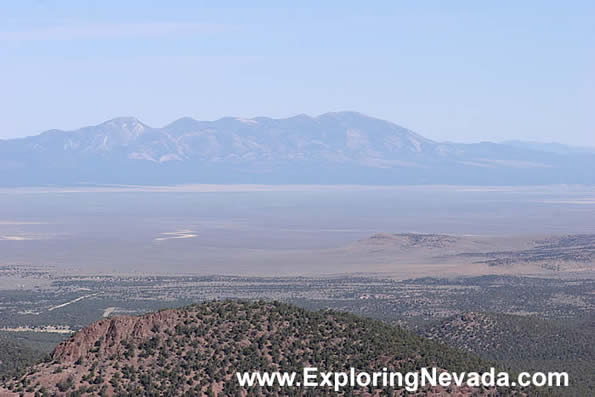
<point>522,299</point>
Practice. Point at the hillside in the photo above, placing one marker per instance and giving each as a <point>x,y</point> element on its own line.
<point>15,357</point>
<point>333,148</point>
<point>197,349</point>
<point>523,343</point>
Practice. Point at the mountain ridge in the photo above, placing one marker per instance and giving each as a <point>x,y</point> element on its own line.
<point>332,148</point>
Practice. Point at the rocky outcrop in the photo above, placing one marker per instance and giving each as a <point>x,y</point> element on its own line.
<point>108,336</point>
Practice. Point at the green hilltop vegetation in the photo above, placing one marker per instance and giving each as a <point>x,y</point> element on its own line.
<point>524,343</point>
<point>19,350</point>
<point>196,350</point>
<point>14,357</point>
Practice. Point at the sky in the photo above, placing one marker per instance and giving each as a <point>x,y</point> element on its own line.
<point>463,71</point>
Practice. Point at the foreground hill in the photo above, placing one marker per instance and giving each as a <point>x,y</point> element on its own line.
<point>333,148</point>
<point>524,343</point>
<point>197,350</point>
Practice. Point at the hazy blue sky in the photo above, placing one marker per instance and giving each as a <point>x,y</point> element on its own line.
<point>450,70</point>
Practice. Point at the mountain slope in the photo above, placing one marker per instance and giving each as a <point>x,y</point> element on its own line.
<point>524,344</point>
<point>342,147</point>
<point>14,357</point>
<point>197,350</point>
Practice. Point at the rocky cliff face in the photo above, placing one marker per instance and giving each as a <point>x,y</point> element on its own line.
<point>108,337</point>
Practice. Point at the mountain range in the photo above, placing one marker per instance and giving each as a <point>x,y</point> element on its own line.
<point>333,148</point>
